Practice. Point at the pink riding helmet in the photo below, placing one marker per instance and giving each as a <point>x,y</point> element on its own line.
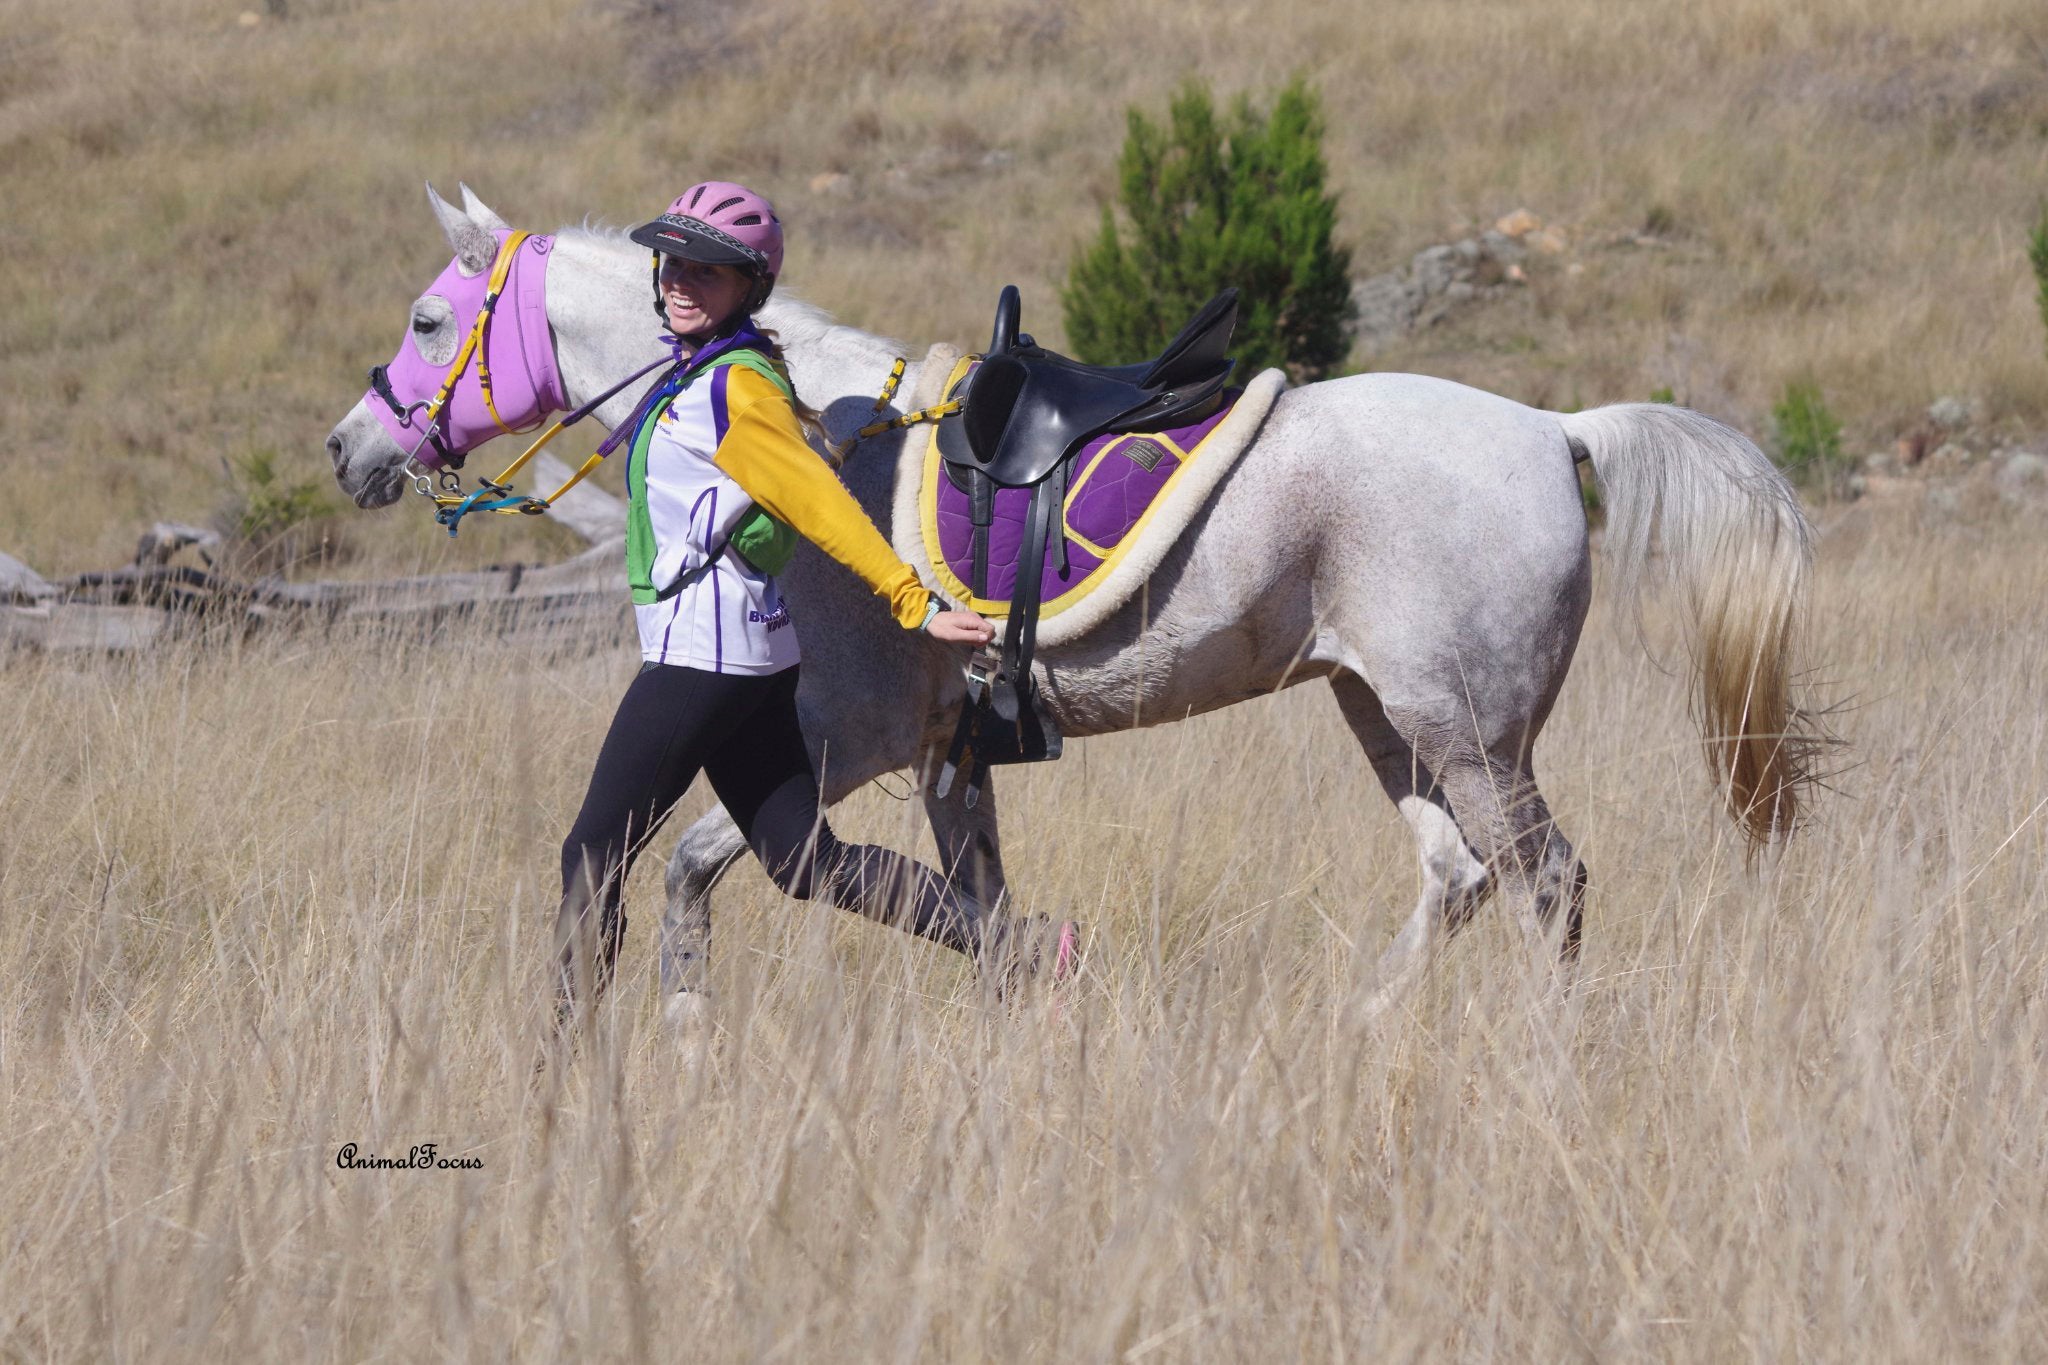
<point>720,223</point>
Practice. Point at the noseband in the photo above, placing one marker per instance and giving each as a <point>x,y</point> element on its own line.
<point>380,384</point>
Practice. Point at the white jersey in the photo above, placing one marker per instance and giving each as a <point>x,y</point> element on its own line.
<point>729,618</point>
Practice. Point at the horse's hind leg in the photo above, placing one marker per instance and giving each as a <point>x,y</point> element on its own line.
<point>1453,881</point>
<point>1509,823</point>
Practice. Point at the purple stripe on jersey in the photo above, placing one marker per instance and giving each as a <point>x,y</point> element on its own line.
<point>717,607</point>
<point>719,421</point>
<point>712,524</point>
<point>711,493</point>
<point>670,627</point>
<point>717,627</point>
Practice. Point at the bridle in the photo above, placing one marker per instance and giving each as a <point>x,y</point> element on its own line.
<point>475,346</point>
<point>443,486</point>
<point>380,384</point>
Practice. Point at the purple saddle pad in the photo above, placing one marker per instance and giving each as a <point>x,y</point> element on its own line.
<point>1115,481</point>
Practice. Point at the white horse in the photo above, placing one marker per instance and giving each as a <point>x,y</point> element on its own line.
<point>1419,543</point>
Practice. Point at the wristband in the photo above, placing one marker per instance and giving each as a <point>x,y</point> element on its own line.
<point>931,613</point>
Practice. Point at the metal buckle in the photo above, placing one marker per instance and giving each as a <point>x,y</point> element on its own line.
<point>982,669</point>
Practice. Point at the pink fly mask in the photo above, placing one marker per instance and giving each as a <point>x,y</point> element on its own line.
<point>502,376</point>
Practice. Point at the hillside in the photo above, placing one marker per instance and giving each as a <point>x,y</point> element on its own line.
<point>213,226</point>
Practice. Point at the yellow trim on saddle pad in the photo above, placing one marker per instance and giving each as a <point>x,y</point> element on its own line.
<point>928,516</point>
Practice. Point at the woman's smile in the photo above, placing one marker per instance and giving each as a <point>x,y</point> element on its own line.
<point>699,297</point>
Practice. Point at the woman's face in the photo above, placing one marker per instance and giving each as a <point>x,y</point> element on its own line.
<point>698,297</point>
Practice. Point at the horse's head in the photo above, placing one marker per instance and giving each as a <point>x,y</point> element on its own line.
<point>477,360</point>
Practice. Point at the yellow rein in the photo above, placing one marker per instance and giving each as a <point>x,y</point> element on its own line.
<point>844,448</point>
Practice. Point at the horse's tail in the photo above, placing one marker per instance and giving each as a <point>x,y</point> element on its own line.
<point>1733,539</point>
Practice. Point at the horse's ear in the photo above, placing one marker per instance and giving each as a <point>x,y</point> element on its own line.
<point>479,212</point>
<point>474,247</point>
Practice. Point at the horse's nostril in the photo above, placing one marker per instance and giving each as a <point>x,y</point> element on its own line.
<point>334,447</point>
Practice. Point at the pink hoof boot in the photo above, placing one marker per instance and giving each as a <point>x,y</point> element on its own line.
<point>1032,950</point>
<point>1066,961</point>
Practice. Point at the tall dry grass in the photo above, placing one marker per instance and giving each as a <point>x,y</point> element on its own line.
<point>265,901</point>
<point>211,231</point>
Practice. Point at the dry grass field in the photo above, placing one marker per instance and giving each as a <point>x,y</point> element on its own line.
<point>267,898</point>
<point>265,902</point>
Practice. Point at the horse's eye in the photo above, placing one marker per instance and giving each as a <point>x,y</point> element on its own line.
<point>422,324</point>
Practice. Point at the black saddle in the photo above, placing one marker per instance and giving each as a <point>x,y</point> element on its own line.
<point>1026,412</point>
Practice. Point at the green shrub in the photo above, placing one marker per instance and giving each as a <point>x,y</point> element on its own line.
<point>270,519</point>
<point>1808,437</point>
<point>1214,202</point>
<point>2037,256</point>
<point>1663,395</point>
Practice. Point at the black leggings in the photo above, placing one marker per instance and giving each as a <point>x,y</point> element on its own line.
<point>740,730</point>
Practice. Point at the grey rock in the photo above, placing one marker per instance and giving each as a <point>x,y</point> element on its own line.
<point>72,627</point>
<point>1386,307</point>
<point>1433,270</point>
<point>1948,413</point>
<point>2022,479</point>
<point>1436,280</point>
<point>1500,246</point>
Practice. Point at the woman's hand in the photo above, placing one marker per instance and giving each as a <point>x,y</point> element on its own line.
<point>961,628</point>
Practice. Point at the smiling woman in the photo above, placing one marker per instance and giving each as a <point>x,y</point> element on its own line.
<point>720,482</point>
<point>694,295</point>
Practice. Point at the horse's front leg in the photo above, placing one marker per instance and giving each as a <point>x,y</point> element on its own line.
<point>706,850</point>
<point>970,849</point>
<point>848,754</point>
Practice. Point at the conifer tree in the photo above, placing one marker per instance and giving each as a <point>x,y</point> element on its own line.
<point>1212,203</point>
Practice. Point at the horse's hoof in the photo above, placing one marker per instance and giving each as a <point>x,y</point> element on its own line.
<point>686,1012</point>
<point>1035,950</point>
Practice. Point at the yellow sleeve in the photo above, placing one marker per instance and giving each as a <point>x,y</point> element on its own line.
<point>763,451</point>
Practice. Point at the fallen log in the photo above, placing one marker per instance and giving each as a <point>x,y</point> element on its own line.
<point>21,584</point>
<point>140,605</point>
<point>57,627</point>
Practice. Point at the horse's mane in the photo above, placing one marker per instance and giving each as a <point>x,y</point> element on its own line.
<point>794,321</point>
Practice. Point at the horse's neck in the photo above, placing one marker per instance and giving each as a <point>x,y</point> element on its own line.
<point>600,305</point>
<point>600,308</point>
<point>833,366</point>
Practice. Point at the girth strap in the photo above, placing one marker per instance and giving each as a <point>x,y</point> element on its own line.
<point>981,494</point>
<point>1001,719</point>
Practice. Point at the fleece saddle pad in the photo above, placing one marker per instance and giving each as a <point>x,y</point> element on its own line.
<point>1129,496</point>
